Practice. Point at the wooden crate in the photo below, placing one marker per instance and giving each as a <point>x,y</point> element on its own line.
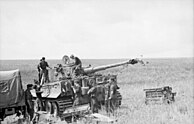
<point>159,95</point>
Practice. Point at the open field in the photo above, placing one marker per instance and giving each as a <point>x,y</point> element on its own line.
<point>132,79</point>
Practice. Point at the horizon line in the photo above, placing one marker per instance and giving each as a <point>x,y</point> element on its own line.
<point>108,58</point>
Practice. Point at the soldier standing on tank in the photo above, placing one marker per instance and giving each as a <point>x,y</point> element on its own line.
<point>43,69</point>
<point>28,100</point>
<point>77,65</point>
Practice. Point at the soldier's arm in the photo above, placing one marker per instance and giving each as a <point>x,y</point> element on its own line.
<point>38,67</point>
<point>90,91</point>
<point>48,65</point>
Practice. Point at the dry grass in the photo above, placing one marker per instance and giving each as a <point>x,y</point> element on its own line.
<point>177,73</point>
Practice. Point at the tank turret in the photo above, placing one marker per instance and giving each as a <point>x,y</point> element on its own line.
<point>65,71</point>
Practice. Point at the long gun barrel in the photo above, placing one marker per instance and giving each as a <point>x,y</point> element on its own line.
<point>104,67</point>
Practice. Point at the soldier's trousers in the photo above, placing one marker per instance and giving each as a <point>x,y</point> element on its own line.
<point>30,112</point>
<point>110,105</point>
<point>45,74</point>
<point>94,105</point>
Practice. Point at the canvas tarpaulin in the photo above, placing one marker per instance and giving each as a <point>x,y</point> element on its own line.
<point>11,90</point>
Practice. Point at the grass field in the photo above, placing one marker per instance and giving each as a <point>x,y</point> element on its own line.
<point>132,79</point>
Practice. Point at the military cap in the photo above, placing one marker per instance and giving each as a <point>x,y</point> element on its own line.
<point>43,58</point>
<point>72,56</point>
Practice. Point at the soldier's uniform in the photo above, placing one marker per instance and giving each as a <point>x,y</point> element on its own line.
<point>77,93</point>
<point>39,97</point>
<point>93,99</point>
<point>110,96</point>
<point>39,73</point>
<point>43,69</point>
<point>77,68</point>
<point>107,94</point>
<point>113,97</point>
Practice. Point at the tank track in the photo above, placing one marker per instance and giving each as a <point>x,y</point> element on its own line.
<point>62,105</point>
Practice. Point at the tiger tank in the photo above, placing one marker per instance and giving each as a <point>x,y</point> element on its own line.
<point>58,94</point>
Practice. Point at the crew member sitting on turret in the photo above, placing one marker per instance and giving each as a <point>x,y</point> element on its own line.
<point>77,64</point>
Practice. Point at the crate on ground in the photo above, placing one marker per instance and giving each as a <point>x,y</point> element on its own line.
<point>159,95</point>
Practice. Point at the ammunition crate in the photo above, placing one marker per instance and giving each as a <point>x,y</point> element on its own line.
<point>159,95</point>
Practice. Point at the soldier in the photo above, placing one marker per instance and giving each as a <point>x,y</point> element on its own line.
<point>39,73</point>
<point>111,98</point>
<point>29,103</point>
<point>59,72</point>
<point>77,62</point>
<point>92,93</point>
<point>43,70</point>
<point>107,94</point>
<point>38,104</point>
<point>100,95</point>
<point>77,92</point>
<point>77,65</point>
<point>37,88</point>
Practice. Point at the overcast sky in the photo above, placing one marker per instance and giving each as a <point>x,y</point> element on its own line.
<point>30,29</point>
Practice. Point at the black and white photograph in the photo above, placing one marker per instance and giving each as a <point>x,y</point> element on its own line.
<point>96,62</point>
